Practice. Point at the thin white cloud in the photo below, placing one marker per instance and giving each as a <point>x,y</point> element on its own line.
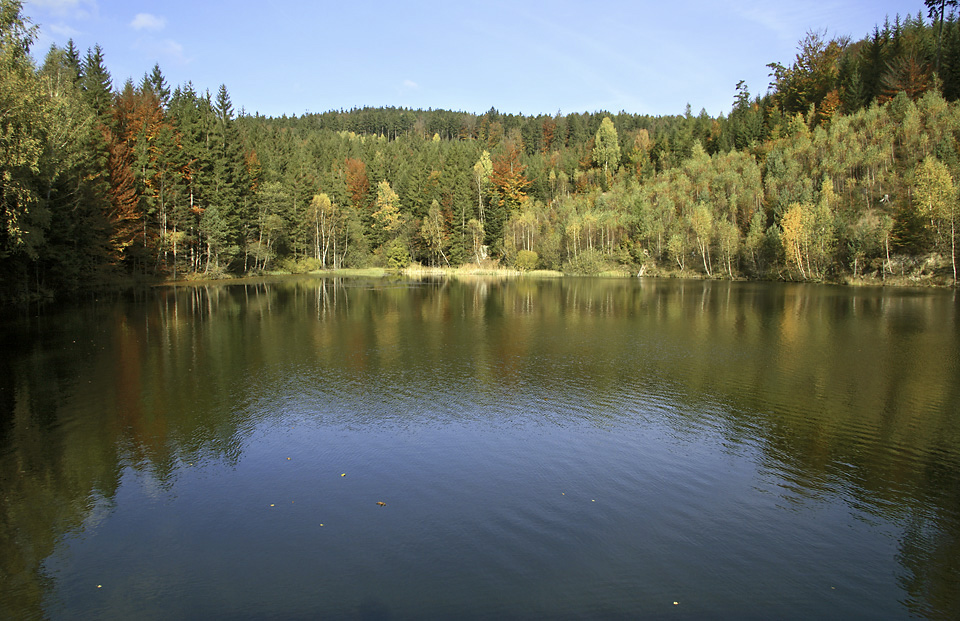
<point>78,9</point>
<point>146,21</point>
<point>410,85</point>
<point>786,20</point>
<point>63,30</point>
<point>173,50</point>
<point>166,50</point>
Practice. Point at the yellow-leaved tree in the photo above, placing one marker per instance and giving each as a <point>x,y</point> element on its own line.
<point>795,236</point>
<point>323,216</point>
<point>936,198</point>
<point>387,218</point>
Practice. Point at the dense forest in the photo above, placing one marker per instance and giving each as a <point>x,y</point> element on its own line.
<point>844,169</point>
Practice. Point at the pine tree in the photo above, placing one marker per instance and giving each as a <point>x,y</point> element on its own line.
<point>950,68</point>
<point>96,83</point>
<point>873,63</point>
<point>159,85</point>
<point>73,60</point>
<point>193,118</point>
<point>937,11</point>
<point>73,183</point>
<point>228,177</point>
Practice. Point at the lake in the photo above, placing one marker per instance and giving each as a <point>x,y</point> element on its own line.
<point>571,448</point>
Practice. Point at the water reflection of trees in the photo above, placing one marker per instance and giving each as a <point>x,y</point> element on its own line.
<point>851,392</point>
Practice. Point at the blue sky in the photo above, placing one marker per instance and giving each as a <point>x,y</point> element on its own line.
<point>295,56</point>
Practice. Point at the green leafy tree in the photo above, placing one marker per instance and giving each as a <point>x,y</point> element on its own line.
<point>728,242</point>
<point>702,224</point>
<point>811,78</point>
<point>24,217</point>
<point>324,218</point>
<point>754,242</point>
<point>606,147</point>
<point>477,236</point>
<point>936,198</point>
<point>677,247</point>
<point>433,232</point>
<point>398,255</point>
<point>527,260</point>
<point>271,203</point>
<point>482,172</point>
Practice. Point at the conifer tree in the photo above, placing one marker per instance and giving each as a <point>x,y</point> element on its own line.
<point>950,67</point>
<point>72,182</point>
<point>159,85</point>
<point>96,82</point>
<point>233,221</point>
<point>937,11</point>
<point>72,58</point>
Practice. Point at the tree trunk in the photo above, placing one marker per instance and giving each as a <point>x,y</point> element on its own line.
<point>953,248</point>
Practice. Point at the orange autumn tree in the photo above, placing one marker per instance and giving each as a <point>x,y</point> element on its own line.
<point>510,185</point>
<point>123,213</point>
<point>145,140</point>
<point>358,185</point>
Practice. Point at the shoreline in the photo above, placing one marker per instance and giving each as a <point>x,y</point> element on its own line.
<point>473,271</point>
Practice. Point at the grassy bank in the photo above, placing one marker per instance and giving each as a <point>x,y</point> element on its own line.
<point>904,277</point>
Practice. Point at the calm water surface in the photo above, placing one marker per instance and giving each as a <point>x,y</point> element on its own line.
<point>542,449</point>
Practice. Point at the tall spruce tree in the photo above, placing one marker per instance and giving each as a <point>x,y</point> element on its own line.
<point>72,181</point>
<point>937,12</point>
<point>159,85</point>
<point>96,83</point>
<point>228,177</point>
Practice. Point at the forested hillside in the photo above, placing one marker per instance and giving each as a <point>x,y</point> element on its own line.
<point>845,168</point>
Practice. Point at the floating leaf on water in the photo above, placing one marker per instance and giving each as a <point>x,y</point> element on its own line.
<point>344,474</point>
<point>381,503</point>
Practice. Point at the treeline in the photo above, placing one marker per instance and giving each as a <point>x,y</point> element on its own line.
<point>846,167</point>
